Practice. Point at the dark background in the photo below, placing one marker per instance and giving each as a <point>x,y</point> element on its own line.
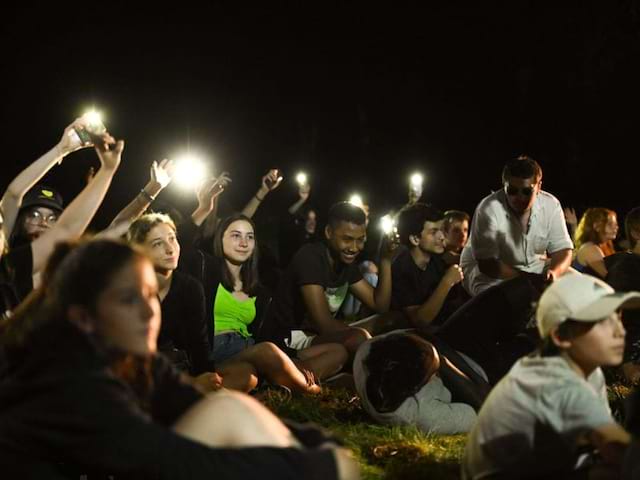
<point>358,96</point>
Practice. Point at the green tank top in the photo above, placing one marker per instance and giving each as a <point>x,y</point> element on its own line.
<point>232,314</point>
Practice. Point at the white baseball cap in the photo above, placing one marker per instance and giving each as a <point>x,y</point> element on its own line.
<point>580,297</point>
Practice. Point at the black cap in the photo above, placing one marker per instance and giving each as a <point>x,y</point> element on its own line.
<point>43,196</point>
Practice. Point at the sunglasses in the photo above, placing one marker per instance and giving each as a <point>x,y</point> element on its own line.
<point>524,191</point>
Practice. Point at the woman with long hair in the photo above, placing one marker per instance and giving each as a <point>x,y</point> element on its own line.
<point>85,392</point>
<point>594,239</point>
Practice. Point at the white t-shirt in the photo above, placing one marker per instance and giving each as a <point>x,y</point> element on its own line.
<point>430,409</point>
<point>496,233</point>
<point>531,422</point>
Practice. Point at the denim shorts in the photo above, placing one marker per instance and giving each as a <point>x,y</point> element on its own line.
<point>228,345</point>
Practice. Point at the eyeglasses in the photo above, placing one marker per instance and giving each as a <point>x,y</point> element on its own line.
<point>35,216</point>
<point>524,191</point>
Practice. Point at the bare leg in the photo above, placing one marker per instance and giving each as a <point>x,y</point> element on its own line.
<point>351,338</point>
<point>323,360</point>
<point>240,376</point>
<point>383,322</point>
<point>276,367</point>
<point>227,419</point>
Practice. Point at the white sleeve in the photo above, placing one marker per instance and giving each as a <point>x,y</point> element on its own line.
<point>484,234</point>
<point>435,415</point>
<point>575,408</point>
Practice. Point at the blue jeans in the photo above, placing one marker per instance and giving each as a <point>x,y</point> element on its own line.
<point>228,345</point>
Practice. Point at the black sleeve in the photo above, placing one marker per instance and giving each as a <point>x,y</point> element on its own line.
<point>196,327</point>
<point>309,267</point>
<point>172,392</point>
<point>404,291</point>
<point>354,275</point>
<point>20,263</point>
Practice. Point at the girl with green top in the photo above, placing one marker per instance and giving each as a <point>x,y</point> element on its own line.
<point>238,304</point>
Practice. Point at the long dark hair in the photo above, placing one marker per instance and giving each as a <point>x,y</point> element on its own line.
<point>249,269</point>
<point>399,365</point>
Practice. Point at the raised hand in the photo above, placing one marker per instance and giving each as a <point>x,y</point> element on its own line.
<point>70,141</point>
<point>109,151</point>
<point>570,216</point>
<point>271,180</point>
<point>210,189</point>
<point>162,173</point>
<point>304,190</point>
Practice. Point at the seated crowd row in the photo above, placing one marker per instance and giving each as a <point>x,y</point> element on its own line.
<point>495,326</point>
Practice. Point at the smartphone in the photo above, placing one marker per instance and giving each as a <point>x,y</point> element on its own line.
<point>89,133</point>
<point>270,182</point>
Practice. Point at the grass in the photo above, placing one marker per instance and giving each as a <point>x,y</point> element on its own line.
<point>393,452</point>
<point>383,451</point>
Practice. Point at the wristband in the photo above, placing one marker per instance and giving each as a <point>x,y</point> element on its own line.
<point>146,195</point>
<point>258,198</point>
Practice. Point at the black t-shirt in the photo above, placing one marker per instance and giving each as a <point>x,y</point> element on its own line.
<point>309,266</point>
<point>623,274</point>
<point>183,323</point>
<point>413,286</point>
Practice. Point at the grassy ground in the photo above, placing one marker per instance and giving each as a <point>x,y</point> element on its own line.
<point>383,452</point>
<point>392,452</point>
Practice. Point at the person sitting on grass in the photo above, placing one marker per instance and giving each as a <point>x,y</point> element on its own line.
<point>551,405</point>
<point>425,288</point>
<point>597,230</point>
<point>456,234</point>
<point>317,281</point>
<point>103,403</point>
<point>623,274</point>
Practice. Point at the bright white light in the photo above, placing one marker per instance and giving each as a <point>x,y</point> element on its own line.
<point>301,178</point>
<point>356,200</point>
<point>387,224</point>
<point>416,181</point>
<point>189,172</point>
<point>93,121</point>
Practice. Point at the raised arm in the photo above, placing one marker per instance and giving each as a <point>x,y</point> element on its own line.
<point>269,183</point>
<point>207,194</point>
<point>77,216</point>
<point>160,176</point>
<point>12,198</point>
<point>303,192</point>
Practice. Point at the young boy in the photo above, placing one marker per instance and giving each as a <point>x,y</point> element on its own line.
<point>551,403</point>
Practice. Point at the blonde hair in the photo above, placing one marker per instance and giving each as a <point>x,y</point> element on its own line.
<point>591,227</point>
<point>139,229</point>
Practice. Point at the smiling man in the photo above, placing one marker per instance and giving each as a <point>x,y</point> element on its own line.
<point>317,282</point>
<point>517,229</point>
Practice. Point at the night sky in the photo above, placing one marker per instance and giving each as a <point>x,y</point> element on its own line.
<point>358,96</point>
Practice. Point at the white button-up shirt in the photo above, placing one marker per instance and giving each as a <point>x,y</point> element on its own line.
<point>496,233</point>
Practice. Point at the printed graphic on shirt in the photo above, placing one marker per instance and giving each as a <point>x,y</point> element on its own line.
<point>335,297</point>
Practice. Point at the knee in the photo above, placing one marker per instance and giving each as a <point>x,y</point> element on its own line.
<point>356,337</point>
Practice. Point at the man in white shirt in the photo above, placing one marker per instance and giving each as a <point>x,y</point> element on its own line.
<point>517,229</point>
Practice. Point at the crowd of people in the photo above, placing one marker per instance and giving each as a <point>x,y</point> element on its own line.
<point>140,351</point>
